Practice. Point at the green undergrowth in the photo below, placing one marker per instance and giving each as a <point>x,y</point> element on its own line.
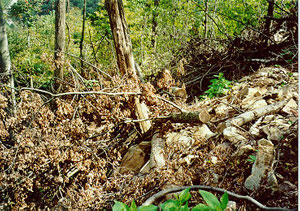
<point>180,203</point>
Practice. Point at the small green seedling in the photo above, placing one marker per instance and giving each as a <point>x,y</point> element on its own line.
<point>219,86</point>
<point>251,158</point>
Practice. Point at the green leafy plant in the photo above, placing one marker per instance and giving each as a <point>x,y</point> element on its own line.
<point>180,204</point>
<point>119,206</point>
<point>212,202</point>
<point>219,86</point>
<point>251,158</point>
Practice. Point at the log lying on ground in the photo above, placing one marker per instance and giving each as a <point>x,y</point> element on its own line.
<point>232,131</point>
<point>188,117</point>
<point>252,115</point>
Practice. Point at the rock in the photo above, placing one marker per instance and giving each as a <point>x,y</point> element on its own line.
<point>253,92</point>
<point>135,158</point>
<point>178,138</point>
<point>204,132</point>
<point>233,135</point>
<point>262,167</point>
<point>216,178</point>
<point>292,104</point>
<point>214,159</point>
<point>272,181</point>
<point>252,182</point>
<point>287,186</point>
<point>221,126</point>
<point>157,156</point>
<point>231,206</point>
<point>258,104</point>
<point>276,127</point>
<point>222,148</point>
<point>222,110</point>
<point>273,133</point>
<point>188,159</point>
<point>254,130</point>
<point>243,150</point>
<point>146,168</point>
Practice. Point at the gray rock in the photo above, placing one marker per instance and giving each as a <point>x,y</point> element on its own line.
<point>262,167</point>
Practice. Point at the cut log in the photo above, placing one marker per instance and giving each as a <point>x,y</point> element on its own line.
<point>142,113</point>
<point>189,117</point>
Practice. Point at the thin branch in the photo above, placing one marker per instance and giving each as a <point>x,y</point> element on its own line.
<point>78,93</point>
<point>171,103</point>
<point>204,187</point>
<point>104,73</point>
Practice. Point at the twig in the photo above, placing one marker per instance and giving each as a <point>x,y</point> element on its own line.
<point>14,160</point>
<point>104,73</point>
<point>79,93</point>
<point>138,120</point>
<point>204,187</point>
<point>171,103</point>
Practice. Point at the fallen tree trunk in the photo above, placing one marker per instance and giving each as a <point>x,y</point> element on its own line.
<point>252,115</point>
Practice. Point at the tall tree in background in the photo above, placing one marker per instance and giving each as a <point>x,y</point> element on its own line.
<point>269,16</point>
<point>82,37</point>
<point>60,22</point>
<point>154,23</point>
<point>205,18</point>
<point>123,49</point>
<point>5,63</point>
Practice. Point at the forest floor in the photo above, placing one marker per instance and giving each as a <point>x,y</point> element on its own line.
<point>72,151</point>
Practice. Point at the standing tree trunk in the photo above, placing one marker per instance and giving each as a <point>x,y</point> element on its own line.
<point>121,37</point>
<point>154,23</point>
<point>123,49</point>
<point>5,63</point>
<point>205,19</point>
<point>82,38</point>
<point>268,23</point>
<point>269,16</point>
<point>60,21</point>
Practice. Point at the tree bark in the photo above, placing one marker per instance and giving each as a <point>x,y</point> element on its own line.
<point>82,37</point>
<point>269,15</point>
<point>205,19</point>
<point>121,37</point>
<point>187,117</point>
<point>154,23</point>
<point>5,63</point>
<point>60,21</point>
<point>125,58</point>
